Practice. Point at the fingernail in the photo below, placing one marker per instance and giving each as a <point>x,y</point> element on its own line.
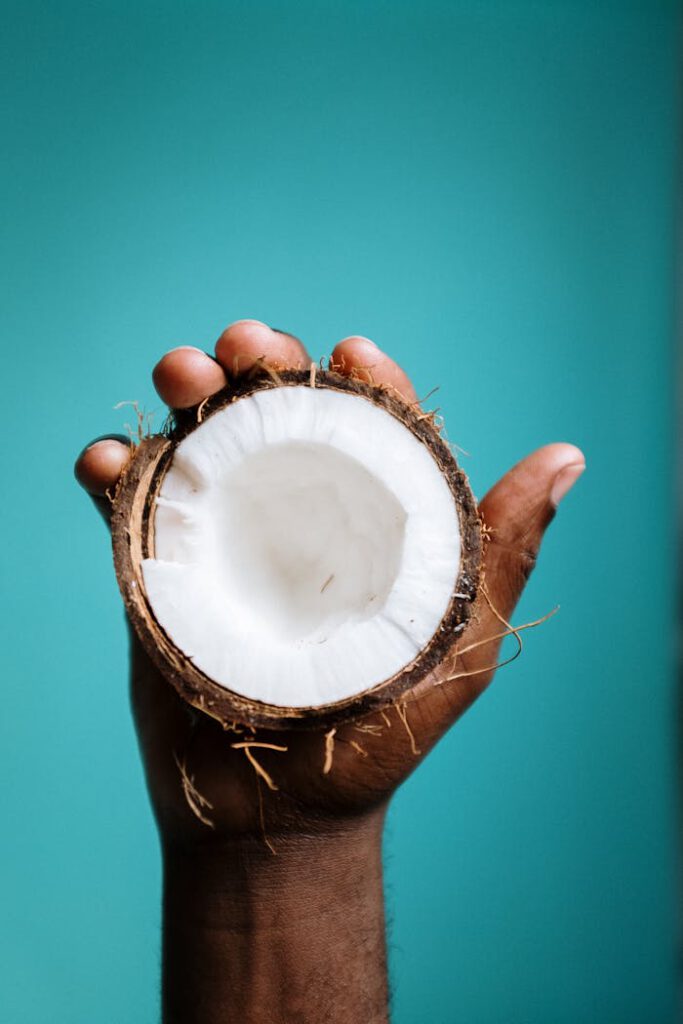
<point>106,439</point>
<point>565,480</point>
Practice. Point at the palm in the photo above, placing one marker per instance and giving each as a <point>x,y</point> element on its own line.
<point>203,777</point>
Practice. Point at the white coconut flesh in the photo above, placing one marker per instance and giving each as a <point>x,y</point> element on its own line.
<point>306,546</point>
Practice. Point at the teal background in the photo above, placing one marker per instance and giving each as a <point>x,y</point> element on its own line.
<point>486,189</point>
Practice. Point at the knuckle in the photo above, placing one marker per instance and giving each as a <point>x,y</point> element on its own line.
<point>527,558</point>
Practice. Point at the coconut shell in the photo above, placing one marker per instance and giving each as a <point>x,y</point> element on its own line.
<point>133,540</point>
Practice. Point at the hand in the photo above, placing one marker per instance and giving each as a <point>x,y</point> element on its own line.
<point>366,760</point>
<point>209,792</point>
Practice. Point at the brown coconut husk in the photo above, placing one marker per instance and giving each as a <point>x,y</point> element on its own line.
<point>133,541</point>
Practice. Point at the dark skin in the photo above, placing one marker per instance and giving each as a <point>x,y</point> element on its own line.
<point>273,903</point>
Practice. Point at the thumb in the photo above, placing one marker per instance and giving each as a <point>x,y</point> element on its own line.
<point>516,513</point>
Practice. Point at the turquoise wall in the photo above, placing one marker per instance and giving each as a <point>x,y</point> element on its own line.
<point>487,189</point>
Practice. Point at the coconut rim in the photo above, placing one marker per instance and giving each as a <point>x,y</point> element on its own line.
<point>132,526</point>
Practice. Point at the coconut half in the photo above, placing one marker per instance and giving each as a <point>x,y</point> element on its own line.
<point>301,548</point>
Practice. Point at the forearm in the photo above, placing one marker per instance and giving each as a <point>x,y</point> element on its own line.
<point>298,935</point>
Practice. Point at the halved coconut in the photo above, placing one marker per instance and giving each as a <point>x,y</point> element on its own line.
<point>301,548</point>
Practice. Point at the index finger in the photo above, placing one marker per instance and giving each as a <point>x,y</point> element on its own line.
<point>361,357</point>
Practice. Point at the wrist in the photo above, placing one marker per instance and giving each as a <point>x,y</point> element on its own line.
<point>295,934</point>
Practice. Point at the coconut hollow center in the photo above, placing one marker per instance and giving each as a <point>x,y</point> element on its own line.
<point>305,539</point>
